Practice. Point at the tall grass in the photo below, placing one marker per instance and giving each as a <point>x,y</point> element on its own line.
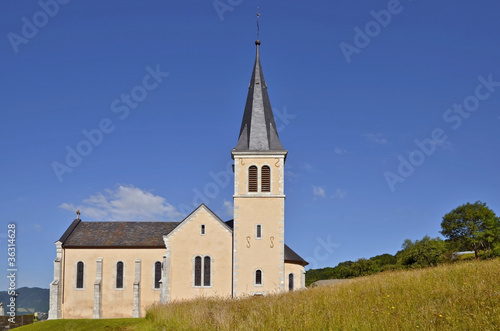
<point>461,296</point>
<point>114,324</point>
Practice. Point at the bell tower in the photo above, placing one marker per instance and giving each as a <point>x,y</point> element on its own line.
<point>259,196</point>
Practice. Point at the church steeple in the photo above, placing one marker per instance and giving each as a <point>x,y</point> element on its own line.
<point>259,196</point>
<point>258,130</point>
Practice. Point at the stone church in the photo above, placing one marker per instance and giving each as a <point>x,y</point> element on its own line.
<point>118,269</point>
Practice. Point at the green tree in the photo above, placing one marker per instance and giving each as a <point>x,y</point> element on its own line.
<point>421,253</point>
<point>384,259</point>
<point>364,267</point>
<point>472,225</point>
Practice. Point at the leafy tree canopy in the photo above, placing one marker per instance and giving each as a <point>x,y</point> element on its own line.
<point>472,225</point>
<point>421,253</point>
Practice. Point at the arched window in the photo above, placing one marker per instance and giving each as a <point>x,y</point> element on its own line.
<point>290,282</point>
<point>197,271</point>
<point>119,274</point>
<point>206,271</point>
<point>252,179</point>
<point>202,271</point>
<point>265,183</point>
<point>258,277</point>
<point>157,274</point>
<point>79,275</point>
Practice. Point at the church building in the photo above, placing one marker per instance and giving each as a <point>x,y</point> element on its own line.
<point>118,269</point>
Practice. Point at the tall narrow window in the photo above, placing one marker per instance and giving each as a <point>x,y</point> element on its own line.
<point>258,231</point>
<point>202,229</point>
<point>258,277</point>
<point>202,271</point>
<point>265,183</point>
<point>79,275</point>
<point>290,282</point>
<point>119,274</point>
<point>197,271</point>
<point>252,179</point>
<point>206,271</point>
<point>157,274</point>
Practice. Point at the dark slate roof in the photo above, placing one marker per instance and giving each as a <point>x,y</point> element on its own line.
<point>258,130</point>
<point>290,255</point>
<point>116,234</point>
<point>69,230</point>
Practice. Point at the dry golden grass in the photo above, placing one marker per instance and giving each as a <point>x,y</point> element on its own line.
<point>461,296</point>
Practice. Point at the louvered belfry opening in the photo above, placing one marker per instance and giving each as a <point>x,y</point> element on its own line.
<point>252,179</point>
<point>266,179</point>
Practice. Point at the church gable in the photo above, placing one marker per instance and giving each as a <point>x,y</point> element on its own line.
<point>199,257</point>
<point>198,223</point>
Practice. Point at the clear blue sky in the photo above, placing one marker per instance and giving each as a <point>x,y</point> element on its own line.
<point>350,117</point>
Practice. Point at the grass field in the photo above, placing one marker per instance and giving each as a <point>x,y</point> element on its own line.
<point>116,324</point>
<point>460,296</point>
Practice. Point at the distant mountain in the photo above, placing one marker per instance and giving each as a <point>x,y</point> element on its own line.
<point>30,300</point>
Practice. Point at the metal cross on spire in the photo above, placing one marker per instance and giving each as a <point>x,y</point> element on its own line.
<point>258,16</point>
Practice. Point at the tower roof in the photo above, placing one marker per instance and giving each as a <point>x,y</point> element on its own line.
<point>258,131</point>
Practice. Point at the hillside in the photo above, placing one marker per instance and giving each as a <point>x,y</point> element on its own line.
<point>30,300</point>
<point>350,269</point>
<point>460,296</point>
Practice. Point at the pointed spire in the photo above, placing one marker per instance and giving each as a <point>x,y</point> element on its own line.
<point>258,130</point>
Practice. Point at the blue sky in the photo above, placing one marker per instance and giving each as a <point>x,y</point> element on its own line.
<point>387,129</point>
